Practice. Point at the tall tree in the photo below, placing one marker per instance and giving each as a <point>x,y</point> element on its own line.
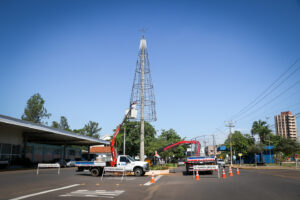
<point>169,137</point>
<point>35,110</point>
<point>240,142</point>
<point>261,129</point>
<point>287,146</point>
<point>55,124</point>
<point>64,125</point>
<point>133,138</point>
<point>79,131</point>
<point>92,130</point>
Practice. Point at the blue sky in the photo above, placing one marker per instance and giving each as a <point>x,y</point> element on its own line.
<point>209,59</point>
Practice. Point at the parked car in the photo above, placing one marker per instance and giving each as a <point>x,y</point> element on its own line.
<point>180,163</point>
<point>71,163</point>
<point>221,162</point>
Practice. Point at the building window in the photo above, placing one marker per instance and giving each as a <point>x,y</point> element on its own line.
<point>72,152</point>
<point>5,148</point>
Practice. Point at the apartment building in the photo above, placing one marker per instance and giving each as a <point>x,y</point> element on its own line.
<point>286,125</point>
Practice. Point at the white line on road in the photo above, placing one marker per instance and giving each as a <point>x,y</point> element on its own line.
<point>94,193</point>
<point>44,192</point>
<point>156,179</point>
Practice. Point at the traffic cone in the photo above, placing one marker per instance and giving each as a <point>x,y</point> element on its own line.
<point>152,178</point>
<point>230,172</point>
<point>197,176</point>
<point>223,174</point>
<point>237,171</point>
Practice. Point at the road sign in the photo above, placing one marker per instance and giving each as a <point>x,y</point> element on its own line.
<point>240,154</point>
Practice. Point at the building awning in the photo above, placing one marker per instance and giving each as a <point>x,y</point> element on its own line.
<point>37,133</point>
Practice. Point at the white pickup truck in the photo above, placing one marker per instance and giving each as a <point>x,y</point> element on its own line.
<point>124,161</point>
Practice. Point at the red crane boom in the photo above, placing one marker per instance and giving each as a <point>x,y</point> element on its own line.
<point>184,142</point>
<point>112,142</point>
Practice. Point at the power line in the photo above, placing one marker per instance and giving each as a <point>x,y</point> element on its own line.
<point>261,96</point>
<point>297,82</point>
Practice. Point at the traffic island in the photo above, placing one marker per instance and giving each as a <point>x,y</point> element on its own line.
<point>158,172</point>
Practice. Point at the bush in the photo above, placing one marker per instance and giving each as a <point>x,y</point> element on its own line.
<point>159,167</point>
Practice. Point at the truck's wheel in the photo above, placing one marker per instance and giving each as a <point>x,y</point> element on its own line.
<point>138,171</point>
<point>95,172</point>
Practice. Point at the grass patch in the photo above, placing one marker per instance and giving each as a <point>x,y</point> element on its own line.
<point>159,167</point>
<point>171,164</point>
<point>163,167</point>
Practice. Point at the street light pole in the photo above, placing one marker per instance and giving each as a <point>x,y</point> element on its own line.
<point>230,125</point>
<point>124,142</point>
<point>214,143</point>
<point>270,150</point>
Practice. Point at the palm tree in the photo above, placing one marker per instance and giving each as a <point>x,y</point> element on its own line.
<point>261,129</point>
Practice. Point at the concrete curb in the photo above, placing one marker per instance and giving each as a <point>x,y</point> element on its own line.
<point>263,167</point>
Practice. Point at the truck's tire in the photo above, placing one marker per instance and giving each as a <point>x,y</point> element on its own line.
<point>138,171</point>
<point>95,172</point>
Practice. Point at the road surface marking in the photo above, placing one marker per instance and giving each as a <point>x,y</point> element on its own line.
<point>44,192</point>
<point>156,179</point>
<point>94,193</point>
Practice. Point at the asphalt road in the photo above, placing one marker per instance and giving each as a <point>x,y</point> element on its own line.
<point>250,184</point>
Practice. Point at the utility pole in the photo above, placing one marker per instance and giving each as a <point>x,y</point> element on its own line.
<point>214,143</point>
<point>204,146</point>
<point>142,152</point>
<point>270,151</point>
<point>230,125</point>
<point>124,142</point>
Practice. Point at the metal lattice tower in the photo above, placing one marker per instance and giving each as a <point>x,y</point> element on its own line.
<point>142,92</point>
<point>136,94</point>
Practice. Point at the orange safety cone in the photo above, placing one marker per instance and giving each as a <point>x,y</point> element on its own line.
<point>230,172</point>
<point>223,174</point>
<point>197,176</point>
<point>237,171</point>
<point>152,178</point>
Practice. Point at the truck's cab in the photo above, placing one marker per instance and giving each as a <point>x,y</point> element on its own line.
<point>138,167</point>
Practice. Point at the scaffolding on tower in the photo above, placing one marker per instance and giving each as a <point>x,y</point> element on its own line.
<point>142,93</point>
<point>136,93</point>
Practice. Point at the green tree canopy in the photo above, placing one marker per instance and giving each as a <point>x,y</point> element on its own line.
<point>261,129</point>
<point>92,130</point>
<point>63,124</point>
<point>79,131</point>
<point>169,137</point>
<point>133,138</point>
<point>287,146</point>
<point>240,142</point>
<point>274,139</point>
<point>35,110</point>
<point>55,124</point>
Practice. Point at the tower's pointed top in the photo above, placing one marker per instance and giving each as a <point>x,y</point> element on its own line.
<point>143,31</point>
